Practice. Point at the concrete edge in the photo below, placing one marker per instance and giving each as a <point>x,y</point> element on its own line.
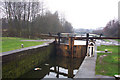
<point>81,71</point>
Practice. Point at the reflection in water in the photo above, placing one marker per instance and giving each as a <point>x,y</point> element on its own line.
<point>57,67</point>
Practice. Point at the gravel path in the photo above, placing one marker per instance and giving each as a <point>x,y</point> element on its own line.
<point>112,42</point>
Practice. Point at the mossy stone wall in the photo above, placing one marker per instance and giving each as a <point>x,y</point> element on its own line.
<point>16,64</point>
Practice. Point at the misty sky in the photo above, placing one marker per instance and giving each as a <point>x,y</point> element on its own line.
<point>85,13</point>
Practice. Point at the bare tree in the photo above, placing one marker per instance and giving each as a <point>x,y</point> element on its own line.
<point>26,19</point>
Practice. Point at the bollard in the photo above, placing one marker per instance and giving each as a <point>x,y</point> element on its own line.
<point>22,46</point>
<point>117,77</point>
<point>106,50</point>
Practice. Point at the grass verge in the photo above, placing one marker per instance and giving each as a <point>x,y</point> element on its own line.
<point>12,43</point>
<point>117,40</point>
<point>107,63</point>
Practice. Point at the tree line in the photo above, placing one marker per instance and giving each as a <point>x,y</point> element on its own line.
<point>28,19</point>
<point>112,29</point>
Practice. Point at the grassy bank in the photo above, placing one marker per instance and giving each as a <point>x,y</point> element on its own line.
<point>12,43</point>
<point>107,63</point>
<point>117,40</point>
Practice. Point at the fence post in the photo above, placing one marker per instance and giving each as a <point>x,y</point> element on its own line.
<point>58,38</point>
<point>55,40</point>
<point>72,45</point>
<point>87,35</point>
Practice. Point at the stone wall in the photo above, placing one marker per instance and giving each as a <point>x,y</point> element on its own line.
<point>16,64</point>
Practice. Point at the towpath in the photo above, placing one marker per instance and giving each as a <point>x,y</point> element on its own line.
<point>87,68</point>
<point>48,40</point>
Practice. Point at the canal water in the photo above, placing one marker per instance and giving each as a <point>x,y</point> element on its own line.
<point>55,67</point>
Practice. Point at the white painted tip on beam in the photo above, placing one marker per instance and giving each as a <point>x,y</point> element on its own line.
<point>79,42</point>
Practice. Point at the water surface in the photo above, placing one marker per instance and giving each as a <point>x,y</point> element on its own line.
<point>55,67</point>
